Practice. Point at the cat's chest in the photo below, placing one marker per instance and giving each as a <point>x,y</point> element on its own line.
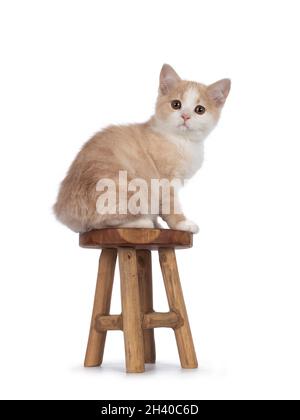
<point>190,155</point>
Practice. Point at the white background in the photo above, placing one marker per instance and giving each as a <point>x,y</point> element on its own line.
<point>68,68</point>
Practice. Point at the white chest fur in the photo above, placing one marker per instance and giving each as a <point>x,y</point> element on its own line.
<point>191,153</point>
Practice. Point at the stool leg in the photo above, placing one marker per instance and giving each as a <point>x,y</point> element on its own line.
<point>146,299</point>
<point>131,311</point>
<point>96,342</point>
<point>183,334</point>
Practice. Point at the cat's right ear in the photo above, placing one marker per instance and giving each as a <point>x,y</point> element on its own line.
<point>168,79</point>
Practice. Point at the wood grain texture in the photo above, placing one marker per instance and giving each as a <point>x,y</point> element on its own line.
<point>146,300</point>
<point>96,341</point>
<point>136,238</point>
<point>162,320</point>
<point>183,334</point>
<point>109,322</point>
<point>131,311</point>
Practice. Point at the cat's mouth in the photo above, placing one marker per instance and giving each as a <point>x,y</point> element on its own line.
<point>184,126</point>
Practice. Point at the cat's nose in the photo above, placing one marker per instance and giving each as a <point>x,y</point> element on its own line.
<point>185,116</point>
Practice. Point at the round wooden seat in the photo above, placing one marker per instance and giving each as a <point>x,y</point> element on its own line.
<point>136,238</point>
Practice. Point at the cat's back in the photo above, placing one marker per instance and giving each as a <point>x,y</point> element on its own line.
<point>120,147</point>
<point>115,148</point>
<point>115,138</point>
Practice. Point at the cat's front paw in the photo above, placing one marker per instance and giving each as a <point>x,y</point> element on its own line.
<point>188,226</point>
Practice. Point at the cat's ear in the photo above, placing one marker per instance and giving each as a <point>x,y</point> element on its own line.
<point>219,91</point>
<point>168,79</point>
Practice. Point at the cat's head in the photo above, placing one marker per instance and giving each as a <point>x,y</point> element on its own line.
<point>188,108</point>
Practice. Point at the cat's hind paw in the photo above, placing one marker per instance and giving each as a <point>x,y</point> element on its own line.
<point>188,226</point>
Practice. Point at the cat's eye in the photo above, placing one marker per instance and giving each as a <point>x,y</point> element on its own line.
<point>200,109</point>
<point>176,104</point>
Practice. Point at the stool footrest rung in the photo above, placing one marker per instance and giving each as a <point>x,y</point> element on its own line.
<point>150,320</point>
<point>162,319</point>
<point>108,323</point>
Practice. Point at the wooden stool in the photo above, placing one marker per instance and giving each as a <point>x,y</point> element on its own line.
<point>138,319</point>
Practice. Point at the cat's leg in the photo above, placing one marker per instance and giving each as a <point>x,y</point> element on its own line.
<point>180,222</point>
<point>157,225</point>
<point>188,226</point>
<point>176,219</point>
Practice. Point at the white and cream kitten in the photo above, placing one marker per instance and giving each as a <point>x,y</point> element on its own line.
<point>168,146</point>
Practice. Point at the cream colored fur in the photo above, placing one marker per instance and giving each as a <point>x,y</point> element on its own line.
<point>163,147</point>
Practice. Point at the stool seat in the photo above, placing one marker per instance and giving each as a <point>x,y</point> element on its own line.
<point>136,238</point>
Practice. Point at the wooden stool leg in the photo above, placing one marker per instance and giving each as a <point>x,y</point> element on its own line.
<point>131,311</point>
<point>96,342</point>
<point>183,334</point>
<point>146,299</point>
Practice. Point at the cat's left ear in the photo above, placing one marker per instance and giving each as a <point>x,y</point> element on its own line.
<point>168,79</point>
<point>219,91</point>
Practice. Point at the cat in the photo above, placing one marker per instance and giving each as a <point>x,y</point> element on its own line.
<point>168,146</point>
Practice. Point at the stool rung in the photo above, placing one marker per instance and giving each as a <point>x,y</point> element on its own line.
<point>151,320</point>
<point>161,319</point>
<point>108,322</point>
